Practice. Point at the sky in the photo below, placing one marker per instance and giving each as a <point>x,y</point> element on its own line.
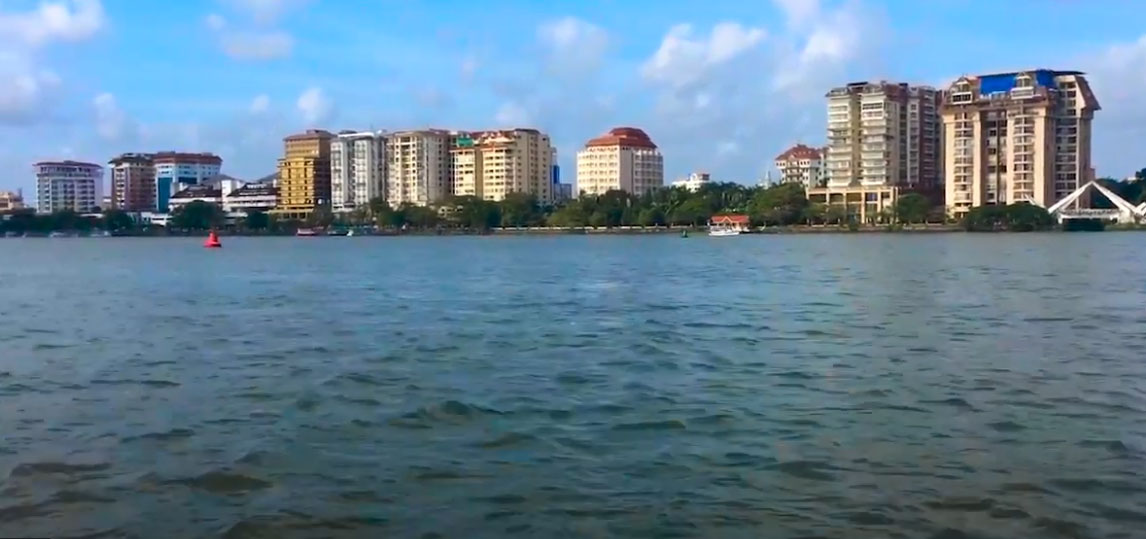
<point>721,86</point>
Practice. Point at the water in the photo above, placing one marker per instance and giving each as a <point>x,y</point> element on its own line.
<point>939,386</point>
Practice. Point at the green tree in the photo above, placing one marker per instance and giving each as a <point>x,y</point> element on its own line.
<point>197,215</point>
<point>651,217</point>
<point>421,217</point>
<point>1019,217</point>
<point>117,221</point>
<point>814,213</point>
<point>912,208</point>
<point>836,214</point>
<point>693,212</point>
<point>321,216</point>
<point>599,219</point>
<point>781,204</point>
<point>257,220</point>
<point>520,210</point>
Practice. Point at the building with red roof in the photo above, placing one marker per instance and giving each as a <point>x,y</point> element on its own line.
<point>624,159</point>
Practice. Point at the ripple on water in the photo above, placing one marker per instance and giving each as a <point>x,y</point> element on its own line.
<point>222,482</point>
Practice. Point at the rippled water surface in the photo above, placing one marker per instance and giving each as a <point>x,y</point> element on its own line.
<point>948,386</point>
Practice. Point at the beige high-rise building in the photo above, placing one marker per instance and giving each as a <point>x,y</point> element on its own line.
<point>491,164</point>
<point>623,159</point>
<point>133,186</point>
<point>418,168</point>
<point>11,201</point>
<point>883,138</point>
<point>1017,137</point>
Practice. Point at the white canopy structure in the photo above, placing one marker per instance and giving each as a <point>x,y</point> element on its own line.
<point>1123,211</point>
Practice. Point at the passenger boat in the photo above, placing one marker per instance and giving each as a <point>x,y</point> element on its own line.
<point>722,231</point>
<point>308,232</point>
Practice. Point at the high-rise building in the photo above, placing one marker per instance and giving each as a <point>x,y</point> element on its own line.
<point>357,169</point>
<point>304,174</point>
<point>175,171</point>
<point>804,165</point>
<point>133,185</point>
<point>883,138</point>
<point>1017,137</point>
<point>67,185</point>
<point>492,164</point>
<point>11,201</point>
<point>623,159</point>
<point>418,167</point>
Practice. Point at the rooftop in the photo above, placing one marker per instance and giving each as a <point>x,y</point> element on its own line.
<point>68,162</point>
<point>800,151</point>
<point>626,137</point>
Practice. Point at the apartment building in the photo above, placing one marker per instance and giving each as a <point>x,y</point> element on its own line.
<point>804,165</point>
<point>175,171</point>
<point>357,169</point>
<point>133,184</point>
<point>1017,137</point>
<point>11,201</point>
<point>883,138</point>
<point>491,164</point>
<point>693,182</point>
<point>418,167</point>
<point>304,174</point>
<point>67,185</point>
<point>623,159</point>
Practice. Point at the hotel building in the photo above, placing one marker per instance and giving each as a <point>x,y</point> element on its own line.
<point>67,185</point>
<point>418,167</point>
<point>803,165</point>
<point>133,185</point>
<point>1017,137</point>
<point>304,173</point>
<point>491,164</point>
<point>693,182</point>
<point>357,169</point>
<point>623,159</point>
<point>883,138</point>
<point>175,171</point>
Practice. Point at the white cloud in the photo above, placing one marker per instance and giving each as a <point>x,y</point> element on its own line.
<point>215,22</point>
<point>315,106</point>
<point>798,12</point>
<point>24,90</point>
<point>574,46</point>
<point>62,20</point>
<point>260,104</point>
<point>1117,74</point>
<point>265,11</point>
<point>512,115</point>
<point>683,58</point>
<point>112,122</point>
<point>257,45</point>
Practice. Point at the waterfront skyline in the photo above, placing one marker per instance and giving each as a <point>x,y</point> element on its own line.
<point>724,94</point>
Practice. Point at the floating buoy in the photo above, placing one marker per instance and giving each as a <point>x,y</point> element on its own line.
<point>212,241</point>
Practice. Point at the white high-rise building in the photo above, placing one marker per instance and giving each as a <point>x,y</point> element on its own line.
<point>623,159</point>
<point>67,185</point>
<point>357,169</point>
<point>417,167</point>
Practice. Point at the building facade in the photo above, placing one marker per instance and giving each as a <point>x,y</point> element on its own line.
<point>491,164</point>
<point>175,171</point>
<point>693,182</point>
<point>67,185</point>
<point>623,159</point>
<point>11,201</point>
<point>357,169</point>
<point>883,138</point>
<point>133,185</point>
<point>418,167</point>
<point>803,165</point>
<point>1017,137</point>
<point>304,174</point>
<point>261,197</point>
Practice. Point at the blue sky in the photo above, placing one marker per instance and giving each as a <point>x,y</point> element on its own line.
<point>721,86</point>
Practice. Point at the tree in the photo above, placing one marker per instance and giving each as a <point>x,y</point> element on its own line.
<point>381,212</point>
<point>814,213</point>
<point>912,208</point>
<point>321,216</point>
<point>117,221</point>
<point>1019,217</point>
<point>836,214</point>
<point>599,219</point>
<point>257,220</point>
<point>519,210</point>
<point>651,217</point>
<point>197,215</point>
<point>419,216</point>
<point>781,204</point>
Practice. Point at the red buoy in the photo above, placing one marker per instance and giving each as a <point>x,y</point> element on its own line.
<point>212,241</point>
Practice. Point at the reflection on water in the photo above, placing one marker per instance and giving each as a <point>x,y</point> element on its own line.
<point>836,386</point>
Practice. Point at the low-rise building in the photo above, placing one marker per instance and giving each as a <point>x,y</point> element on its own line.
<point>176,170</point>
<point>261,197</point>
<point>693,182</point>
<point>804,165</point>
<point>11,201</point>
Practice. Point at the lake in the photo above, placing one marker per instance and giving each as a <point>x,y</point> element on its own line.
<point>840,386</point>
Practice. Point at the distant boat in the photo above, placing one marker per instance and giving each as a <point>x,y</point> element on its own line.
<point>59,235</point>
<point>308,232</point>
<point>684,233</point>
<point>721,232</point>
<point>350,232</point>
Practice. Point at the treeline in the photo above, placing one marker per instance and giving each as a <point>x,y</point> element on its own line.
<point>777,205</point>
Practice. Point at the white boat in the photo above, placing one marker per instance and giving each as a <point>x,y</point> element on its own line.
<point>350,232</point>
<point>720,231</point>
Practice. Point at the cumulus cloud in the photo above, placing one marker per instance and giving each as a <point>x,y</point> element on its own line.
<point>684,57</point>
<point>574,46</point>
<point>252,41</point>
<point>63,20</point>
<point>315,106</point>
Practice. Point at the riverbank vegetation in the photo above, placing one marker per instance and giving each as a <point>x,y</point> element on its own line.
<point>783,206</point>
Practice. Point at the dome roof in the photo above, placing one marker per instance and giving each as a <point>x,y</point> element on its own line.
<point>628,137</point>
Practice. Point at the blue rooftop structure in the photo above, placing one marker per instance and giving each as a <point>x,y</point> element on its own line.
<point>1005,82</point>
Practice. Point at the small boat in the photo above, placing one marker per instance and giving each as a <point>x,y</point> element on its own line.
<point>684,233</point>
<point>721,232</point>
<point>306,232</point>
<point>350,232</point>
<point>212,241</point>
